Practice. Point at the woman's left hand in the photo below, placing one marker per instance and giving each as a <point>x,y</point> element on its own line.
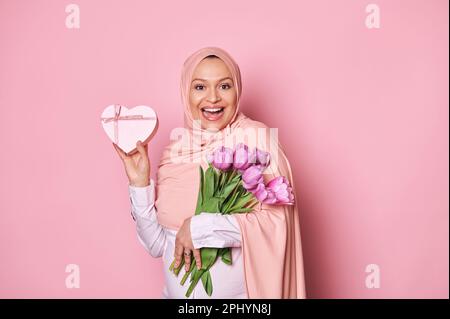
<point>184,246</point>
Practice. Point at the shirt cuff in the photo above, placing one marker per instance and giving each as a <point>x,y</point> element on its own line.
<point>142,196</point>
<point>214,230</point>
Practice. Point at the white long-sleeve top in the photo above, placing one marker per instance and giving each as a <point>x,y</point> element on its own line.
<point>207,230</point>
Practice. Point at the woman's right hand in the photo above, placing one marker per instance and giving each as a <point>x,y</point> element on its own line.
<point>137,165</point>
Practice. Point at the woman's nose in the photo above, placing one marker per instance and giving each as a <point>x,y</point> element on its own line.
<point>213,97</point>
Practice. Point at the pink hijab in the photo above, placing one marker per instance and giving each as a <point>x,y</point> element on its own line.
<point>271,243</point>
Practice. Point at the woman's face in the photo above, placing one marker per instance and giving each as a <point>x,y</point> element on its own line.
<point>212,95</point>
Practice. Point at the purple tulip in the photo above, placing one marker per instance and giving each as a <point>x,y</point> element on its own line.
<point>258,157</point>
<point>251,177</point>
<point>210,157</point>
<point>281,189</point>
<point>271,198</point>
<point>264,195</point>
<point>263,158</point>
<point>222,158</point>
<point>260,192</point>
<point>241,155</point>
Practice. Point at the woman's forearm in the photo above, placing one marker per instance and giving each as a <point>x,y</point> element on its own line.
<point>150,233</point>
<point>207,229</point>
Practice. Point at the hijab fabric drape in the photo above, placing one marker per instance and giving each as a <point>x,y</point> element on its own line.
<point>271,243</point>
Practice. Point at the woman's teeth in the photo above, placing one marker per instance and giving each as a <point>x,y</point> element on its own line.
<point>212,113</point>
<point>213,110</point>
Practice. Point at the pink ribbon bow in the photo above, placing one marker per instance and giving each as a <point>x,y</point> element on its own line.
<point>117,117</point>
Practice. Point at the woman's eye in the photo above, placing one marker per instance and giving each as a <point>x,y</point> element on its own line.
<point>224,86</point>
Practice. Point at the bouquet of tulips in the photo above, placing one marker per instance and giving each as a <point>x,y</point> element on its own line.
<point>233,183</point>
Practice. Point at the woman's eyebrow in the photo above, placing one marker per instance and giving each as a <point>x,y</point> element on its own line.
<point>206,80</point>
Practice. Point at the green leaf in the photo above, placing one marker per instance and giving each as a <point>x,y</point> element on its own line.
<point>176,271</point>
<point>209,183</point>
<point>191,268</point>
<point>200,195</point>
<point>229,188</point>
<point>230,201</point>
<point>241,210</point>
<point>209,256</point>
<point>228,177</point>
<point>226,256</point>
<point>194,280</point>
<point>235,176</point>
<point>209,289</point>
<point>212,205</point>
<point>193,273</point>
<point>214,180</point>
<point>205,280</point>
<point>243,200</point>
<point>207,283</point>
<point>219,180</point>
<point>217,176</point>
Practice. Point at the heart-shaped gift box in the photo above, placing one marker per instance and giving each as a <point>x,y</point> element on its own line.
<point>126,126</point>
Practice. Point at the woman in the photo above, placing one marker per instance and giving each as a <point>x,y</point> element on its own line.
<point>265,243</point>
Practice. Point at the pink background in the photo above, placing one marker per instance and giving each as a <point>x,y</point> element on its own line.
<point>362,113</point>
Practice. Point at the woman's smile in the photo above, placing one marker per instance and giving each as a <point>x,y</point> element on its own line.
<point>213,113</point>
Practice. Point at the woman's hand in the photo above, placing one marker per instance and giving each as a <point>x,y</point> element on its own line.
<point>184,246</point>
<point>137,165</point>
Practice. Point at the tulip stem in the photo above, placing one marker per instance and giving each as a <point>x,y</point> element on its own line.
<point>183,280</point>
<point>176,271</point>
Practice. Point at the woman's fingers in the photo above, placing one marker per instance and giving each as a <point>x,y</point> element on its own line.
<point>198,258</point>
<point>121,153</point>
<point>178,254</point>
<point>187,259</point>
<point>142,150</point>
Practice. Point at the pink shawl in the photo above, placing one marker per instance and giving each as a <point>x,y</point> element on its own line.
<point>271,243</point>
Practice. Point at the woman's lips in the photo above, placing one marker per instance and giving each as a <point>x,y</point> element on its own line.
<point>213,113</point>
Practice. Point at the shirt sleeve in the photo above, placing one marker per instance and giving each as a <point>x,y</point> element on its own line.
<point>149,232</point>
<point>215,230</point>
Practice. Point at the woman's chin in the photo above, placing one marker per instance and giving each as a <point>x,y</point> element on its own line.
<point>215,125</point>
<point>207,125</point>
